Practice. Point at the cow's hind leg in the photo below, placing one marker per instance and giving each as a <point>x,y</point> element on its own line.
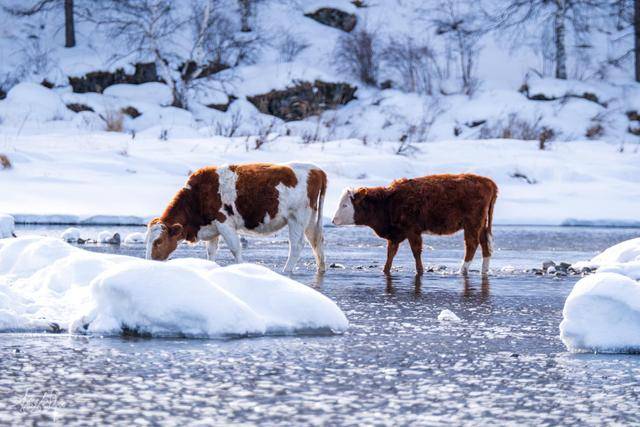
<point>471,242</point>
<point>485,243</point>
<point>296,243</point>
<point>416,247</point>
<point>212,248</point>
<point>230,236</point>
<point>392,250</point>
<point>314,235</point>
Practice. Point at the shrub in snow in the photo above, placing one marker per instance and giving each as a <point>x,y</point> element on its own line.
<point>71,235</point>
<point>33,102</point>
<point>412,64</point>
<point>7,226</point>
<point>44,280</point>
<point>358,54</point>
<point>290,46</point>
<point>518,128</point>
<point>602,312</point>
<point>113,120</point>
<point>4,162</point>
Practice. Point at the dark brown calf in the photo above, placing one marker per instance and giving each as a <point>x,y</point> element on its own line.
<point>434,204</point>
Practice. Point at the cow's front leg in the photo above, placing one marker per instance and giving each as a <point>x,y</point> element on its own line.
<point>392,250</point>
<point>230,236</point>
<point>296,243</point>
<point>212,248</point>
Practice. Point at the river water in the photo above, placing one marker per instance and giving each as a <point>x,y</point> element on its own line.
<point>503,363</point>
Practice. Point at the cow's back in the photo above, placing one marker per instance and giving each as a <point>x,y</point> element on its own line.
<point>440,204</point>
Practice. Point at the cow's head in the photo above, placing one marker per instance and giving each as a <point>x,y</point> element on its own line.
<point>345,213</point>
<point>162,239</point>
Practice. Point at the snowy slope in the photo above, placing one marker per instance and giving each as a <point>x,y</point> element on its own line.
<point>109,174</point>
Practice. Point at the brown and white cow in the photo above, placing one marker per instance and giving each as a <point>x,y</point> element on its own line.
<point>257,198</point>
<point>434,204</point>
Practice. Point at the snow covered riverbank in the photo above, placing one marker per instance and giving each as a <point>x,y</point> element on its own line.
<point>46,284</point>
<point>602,313</point>
<point>103,178</point>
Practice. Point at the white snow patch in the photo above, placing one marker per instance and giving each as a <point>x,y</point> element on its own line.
<point>602,312</point>
<point>7,226</point>
<point>154,93</point>
<point>34,103</point>
<point>45,281</point>
<point>448,316</point>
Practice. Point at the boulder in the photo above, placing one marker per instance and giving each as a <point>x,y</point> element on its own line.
<point>303,100</point>
<point>335,18</point>
<point>97,81</point>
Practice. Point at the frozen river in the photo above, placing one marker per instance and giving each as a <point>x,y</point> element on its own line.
<point>396,365</point>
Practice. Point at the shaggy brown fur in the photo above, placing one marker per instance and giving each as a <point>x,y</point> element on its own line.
<point>257,195</point>
<point>438,204</point>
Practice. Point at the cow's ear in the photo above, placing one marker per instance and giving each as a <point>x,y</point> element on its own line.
<point>176,230</point>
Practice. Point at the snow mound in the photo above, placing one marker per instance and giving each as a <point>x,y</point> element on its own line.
<point>32,102</point>
<point>602,312</point>
<point>623,258</point>
<point>134,238</point>
<point>7,226</point>
<point>71,234</point>
<point>46,283</point>
<point>448,316</point>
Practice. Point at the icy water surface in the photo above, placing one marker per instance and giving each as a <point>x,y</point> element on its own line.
<point>397,365</point>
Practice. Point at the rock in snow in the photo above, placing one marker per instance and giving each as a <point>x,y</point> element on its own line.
<point>448,316</point>
<point>602,312</point>
<point>7,226</point>
<point>44,280</point>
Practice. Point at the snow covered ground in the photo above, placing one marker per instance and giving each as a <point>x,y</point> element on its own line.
<point>602,313</point>
<point>46,283</point>
<point>105,177</point>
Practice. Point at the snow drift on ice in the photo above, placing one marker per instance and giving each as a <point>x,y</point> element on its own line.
<point>602,312</point>
<point>7,225</point>
<point>46,283</point>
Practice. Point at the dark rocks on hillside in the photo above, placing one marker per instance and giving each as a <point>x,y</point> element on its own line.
<point>77,107</point>
<point>131,112</point>
<point>3,94</point>
<point>98,81</point>
<point>304,99</point>
<point>190,70</point>
<point>223,107</point>
<point>588,96</point>
<point>334,18</point>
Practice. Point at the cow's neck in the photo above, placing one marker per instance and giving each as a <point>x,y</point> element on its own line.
<point>375,213</point>
<point>183,210</point>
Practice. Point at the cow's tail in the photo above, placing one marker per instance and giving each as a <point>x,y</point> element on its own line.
<point>492,203</point>
<point>321,194</point>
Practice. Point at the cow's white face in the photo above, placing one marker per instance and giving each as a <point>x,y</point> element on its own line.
<point>162,240</point>
<point>344,213</point>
